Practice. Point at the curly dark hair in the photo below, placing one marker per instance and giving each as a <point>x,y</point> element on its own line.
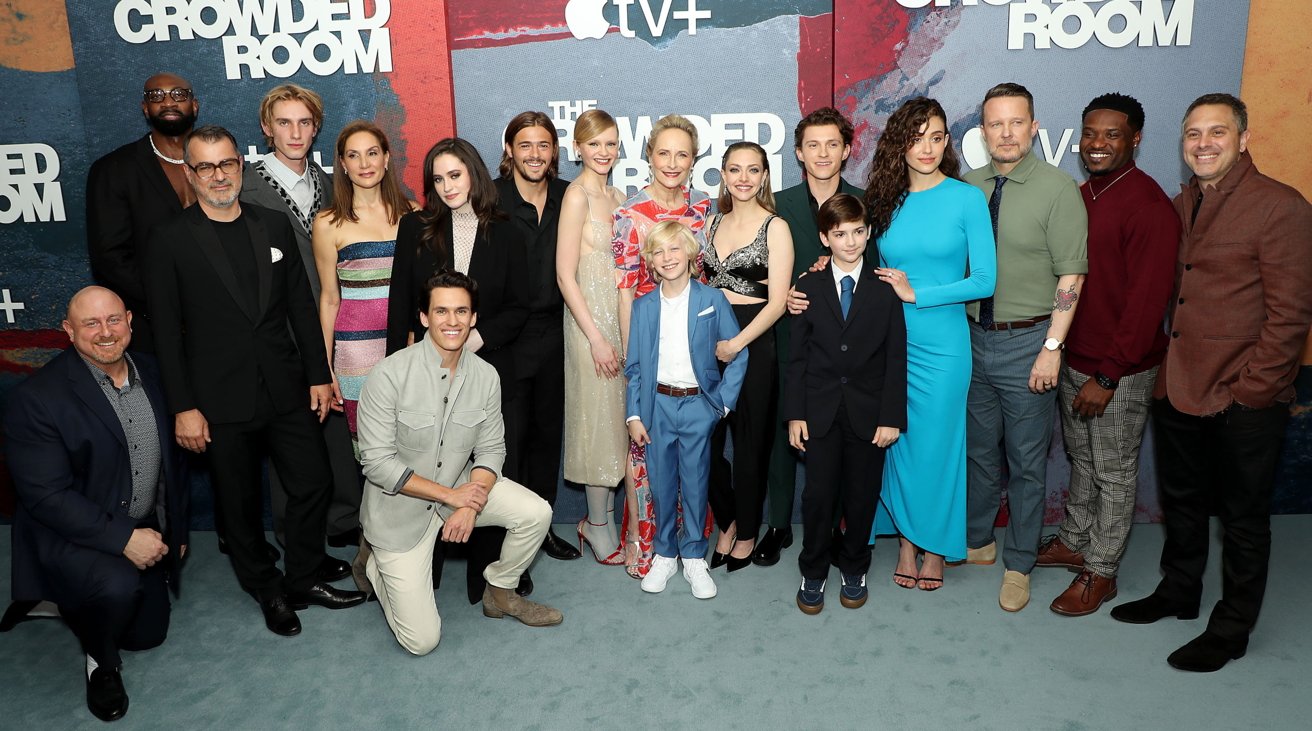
<point>888,183</point>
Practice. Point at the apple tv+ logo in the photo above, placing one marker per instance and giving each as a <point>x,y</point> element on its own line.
<point>586,18</point>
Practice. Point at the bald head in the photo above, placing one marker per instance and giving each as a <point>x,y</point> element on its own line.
<point>99,325</point>
<point>166,80</point>
<point>169,104</point>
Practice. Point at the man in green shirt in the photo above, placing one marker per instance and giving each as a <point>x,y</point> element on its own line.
<point>1017,335</point>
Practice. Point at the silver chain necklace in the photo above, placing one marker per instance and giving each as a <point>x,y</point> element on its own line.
<point>159,154</point>
<point>1109,185</point>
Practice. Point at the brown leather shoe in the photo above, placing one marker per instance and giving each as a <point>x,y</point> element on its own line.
<point>498,603</point>
<point>1054,552</point>
<point>1085,594</point>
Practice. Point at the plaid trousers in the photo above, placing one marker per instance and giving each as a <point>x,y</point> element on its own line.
<point>1104,454</point>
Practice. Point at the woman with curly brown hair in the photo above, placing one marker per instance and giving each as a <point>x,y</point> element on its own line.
<point>931,228</point>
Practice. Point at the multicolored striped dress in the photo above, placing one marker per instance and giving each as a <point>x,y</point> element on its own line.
<point>364,272</point>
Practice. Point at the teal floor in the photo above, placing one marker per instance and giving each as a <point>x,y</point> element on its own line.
<point>747,659</point>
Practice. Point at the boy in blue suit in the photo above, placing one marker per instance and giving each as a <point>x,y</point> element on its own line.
<point>676,396</point>
<point>845,400</point>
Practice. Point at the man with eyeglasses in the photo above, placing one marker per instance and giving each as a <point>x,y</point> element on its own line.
<point>225,283</point>
<point>135,187</point>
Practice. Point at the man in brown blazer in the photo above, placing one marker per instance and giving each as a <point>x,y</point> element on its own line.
<point>1239,318</point>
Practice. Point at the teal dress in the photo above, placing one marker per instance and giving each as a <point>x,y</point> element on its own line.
<point>943,239</point>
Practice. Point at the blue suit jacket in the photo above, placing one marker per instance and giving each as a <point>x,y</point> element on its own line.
<point>69,460</point>
<point>710,320</point>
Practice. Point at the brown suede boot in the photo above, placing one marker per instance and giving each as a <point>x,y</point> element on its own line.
<point>498,602</point>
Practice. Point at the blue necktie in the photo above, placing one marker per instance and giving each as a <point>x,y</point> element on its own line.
<point>845,299</point>
<point>995,202</point>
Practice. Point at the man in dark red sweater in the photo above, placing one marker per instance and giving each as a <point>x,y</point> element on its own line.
<point>1112,354</point>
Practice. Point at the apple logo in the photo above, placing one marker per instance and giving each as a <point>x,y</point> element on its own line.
<point>585,20</point>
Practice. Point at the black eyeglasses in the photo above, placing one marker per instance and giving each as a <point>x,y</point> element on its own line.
<point>205,170</point>
<point>155,96</point>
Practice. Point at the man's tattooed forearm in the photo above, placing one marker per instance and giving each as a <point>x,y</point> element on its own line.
<point>1065,299</point>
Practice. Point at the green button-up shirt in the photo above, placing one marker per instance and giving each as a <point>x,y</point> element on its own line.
<point>1042,235</point>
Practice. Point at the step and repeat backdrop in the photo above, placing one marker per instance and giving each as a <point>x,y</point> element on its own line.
<point>739,69</point>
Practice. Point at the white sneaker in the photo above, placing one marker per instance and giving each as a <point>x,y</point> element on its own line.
<point>699,577</point>
<point>662,568</point>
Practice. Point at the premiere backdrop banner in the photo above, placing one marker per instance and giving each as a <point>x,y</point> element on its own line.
<point>424,69</point>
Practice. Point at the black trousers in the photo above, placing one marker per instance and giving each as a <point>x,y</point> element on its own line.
<point>844,472</point>
<point>294,444</point>
<point>116,606</point>
<point>533,409</point>
<point>1227,461</point>
<point>737,492</point>
<point>348,486</point>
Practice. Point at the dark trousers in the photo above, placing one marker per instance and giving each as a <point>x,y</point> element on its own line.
<point>116,607</point>
<point>344,505</point>
<point>1227,461</point>
<point>844,471</point>
<point>294,444</point>
<point>533,409</point>
<point>782,480</point>
<point>737,493</point>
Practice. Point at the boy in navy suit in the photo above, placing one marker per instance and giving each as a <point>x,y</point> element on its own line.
<point>676,389</point>
<point>845,400</point>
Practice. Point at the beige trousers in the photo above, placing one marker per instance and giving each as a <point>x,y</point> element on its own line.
<point>404,580</point>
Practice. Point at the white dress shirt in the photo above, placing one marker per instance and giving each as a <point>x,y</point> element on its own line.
<point>674,359</point>
<point>855,274</point>
<point>297,186</point>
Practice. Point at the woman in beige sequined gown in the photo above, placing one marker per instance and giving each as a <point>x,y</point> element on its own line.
<point>596,441</point>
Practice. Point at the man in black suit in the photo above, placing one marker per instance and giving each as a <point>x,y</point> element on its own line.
<point>288,181</point>
<point>530,192</point>
<point>225,283</point>
<point>101,522</point>
<point>135,187</point>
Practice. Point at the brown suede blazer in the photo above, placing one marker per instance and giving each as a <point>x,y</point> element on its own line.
<point>1243,294</point>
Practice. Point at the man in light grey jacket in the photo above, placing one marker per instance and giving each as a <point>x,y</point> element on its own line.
<point>432,444</point>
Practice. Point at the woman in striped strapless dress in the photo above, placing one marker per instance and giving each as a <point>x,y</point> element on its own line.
<point>354,241</point>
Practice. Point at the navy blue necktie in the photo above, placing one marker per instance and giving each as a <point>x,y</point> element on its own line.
<point>995,202</point>
<point>845,299</point>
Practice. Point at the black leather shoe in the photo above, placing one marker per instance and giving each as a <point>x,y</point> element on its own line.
<point>106,698</point>
<point>525,585</point>
<point>1207,653</point>
<point>323,595</point>
<point>333,569</point>
<point>279,617</point>
<point>718,559</point>
<point>558,549</point>
<point>342,540</point>
<point>1152,608</point>
<point>771,545</point>
<point>271,551</point>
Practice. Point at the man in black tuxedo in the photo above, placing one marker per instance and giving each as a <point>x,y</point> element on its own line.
<point>225,282</point>
<point>135,187</point>
<point>101,522</point>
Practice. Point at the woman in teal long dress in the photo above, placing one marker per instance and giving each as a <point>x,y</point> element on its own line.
<point>936,250</point>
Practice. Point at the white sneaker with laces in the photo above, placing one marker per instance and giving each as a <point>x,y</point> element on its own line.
<point>662,568</point>
<point>699,577</point>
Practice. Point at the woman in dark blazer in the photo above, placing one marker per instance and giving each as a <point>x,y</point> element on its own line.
<point>460,228</point>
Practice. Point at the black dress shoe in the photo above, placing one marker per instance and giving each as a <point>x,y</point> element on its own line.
<point>1152,608</point>
<point>525,585</point>
<point>323,595</point>
<point>271,551</point>
<point>558,549</point>
<point>342,540</point>
<point>333,569</point>
<point>1207,653</point>
<point>734,563</point>
<point>279,617</point>
<point>106,698</point>
<point>718,559</point>
<point>772,544</point>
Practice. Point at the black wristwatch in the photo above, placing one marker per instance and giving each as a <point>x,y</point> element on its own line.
<point>1105,382</point>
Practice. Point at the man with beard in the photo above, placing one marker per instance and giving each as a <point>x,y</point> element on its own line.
<point>225,283</point>
<point>135,187</point>
<point>1115,347</point>
<point>1017,336</point>
<point>101,526</point>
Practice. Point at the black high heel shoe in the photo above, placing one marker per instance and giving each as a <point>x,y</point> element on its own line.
<point>719,559</point>
<point>736,563</point>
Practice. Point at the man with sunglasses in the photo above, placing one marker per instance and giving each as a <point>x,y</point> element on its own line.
<point>135,187</point>
<point>225,283</point>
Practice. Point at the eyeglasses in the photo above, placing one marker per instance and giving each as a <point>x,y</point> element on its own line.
<point>205,170</point>
<point>155,96</point>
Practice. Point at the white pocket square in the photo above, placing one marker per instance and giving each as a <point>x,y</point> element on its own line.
<point>277,254</point>
<point>706,311</point>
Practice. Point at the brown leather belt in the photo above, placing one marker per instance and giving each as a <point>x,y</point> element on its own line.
<point>1018,324</point>
<point>676,391</point>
